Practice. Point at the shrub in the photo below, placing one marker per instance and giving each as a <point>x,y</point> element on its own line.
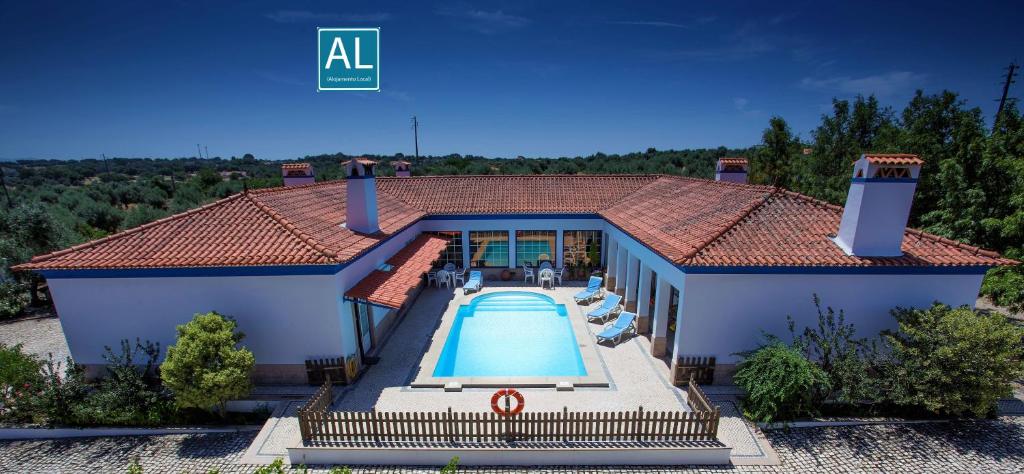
<point>13,298</point>
<point>845,358</point>
<point>19,378</point>
<point>956,362</point>
<point>204,368</point>
<point>61,394</point>
<point>128,395</point>
<point>780,382</point>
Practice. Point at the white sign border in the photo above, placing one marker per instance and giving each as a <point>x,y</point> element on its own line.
<point>318,61</point>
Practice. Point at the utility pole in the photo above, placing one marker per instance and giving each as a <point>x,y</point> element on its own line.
<point>207,151</point>
<point>105,164</point>
<point>1010,71</point>
<point>200,150</point>
<point>3,184</point>
<point>416,134</point>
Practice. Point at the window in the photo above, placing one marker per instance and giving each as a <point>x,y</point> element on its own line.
<point>581,248</point>
<point>453,252</point>
<point>488,248</point>
<point>534,247</point>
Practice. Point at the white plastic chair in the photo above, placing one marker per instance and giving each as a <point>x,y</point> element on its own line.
<point>547,276</point>
<point>432,277</point>
<point>459,275</point>
<point>558,275</point>
<point>528,274</point>
<point>546,266</point>
<point>444,276</point>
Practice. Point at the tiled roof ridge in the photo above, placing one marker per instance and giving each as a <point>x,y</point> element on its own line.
<point>291,228</point>
<point>505,176</point>
<point>753,206</point>
<point>294,187</point>
<point>732,184</point>
<point>132,231</point>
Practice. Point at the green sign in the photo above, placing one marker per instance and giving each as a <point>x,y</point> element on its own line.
<point>348,59</point>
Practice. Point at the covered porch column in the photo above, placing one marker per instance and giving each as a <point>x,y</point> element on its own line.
<point>660,329</point>
<point>620,271</point>
<point>559,263</point>
<point>643,309</point>
<point>632,275</point>
<point>613,253</point>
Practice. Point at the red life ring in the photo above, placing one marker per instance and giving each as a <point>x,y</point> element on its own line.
<point>507,392</point>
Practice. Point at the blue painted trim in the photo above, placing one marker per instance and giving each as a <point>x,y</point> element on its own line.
<point>480,217</point>
<point>360,177</point>
<point>883,180</point>
<point>265,270</point>
<point>877,270</point>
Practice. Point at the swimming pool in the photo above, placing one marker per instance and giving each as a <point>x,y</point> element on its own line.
<point>511,333</point>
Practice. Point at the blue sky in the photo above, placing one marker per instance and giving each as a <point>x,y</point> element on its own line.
<point>501,79</point>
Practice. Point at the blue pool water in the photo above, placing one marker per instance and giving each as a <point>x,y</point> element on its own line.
<point>511,333</point>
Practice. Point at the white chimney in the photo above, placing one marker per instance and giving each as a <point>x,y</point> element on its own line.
<point>361,196</point>
<point>733,170</point>
<point>402,168</point>
<point>295,174</point>
<point>878,205</point>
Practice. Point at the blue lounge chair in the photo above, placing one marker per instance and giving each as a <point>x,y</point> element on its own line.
<point>609,308</point>
<point>624,325</point>
<point>474,283</point>
<point>594,290</point>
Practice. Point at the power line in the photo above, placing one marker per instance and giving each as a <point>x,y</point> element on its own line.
<point>1010,71</point>
<point>416,134</point>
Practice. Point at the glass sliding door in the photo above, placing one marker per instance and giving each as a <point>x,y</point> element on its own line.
<point>488,248</point>
<point>581,251</point>
<point>534,247</point>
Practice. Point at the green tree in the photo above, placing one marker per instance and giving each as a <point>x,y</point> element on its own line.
<point>774,161</point>
<point>842,137</point>
<point>205,368</point>
<point>952,361</point>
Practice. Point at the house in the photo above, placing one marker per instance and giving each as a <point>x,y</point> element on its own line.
<point>325,269</point>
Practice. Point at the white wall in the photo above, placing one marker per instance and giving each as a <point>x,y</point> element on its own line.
<point>286,319</point>
<point>725,313</point>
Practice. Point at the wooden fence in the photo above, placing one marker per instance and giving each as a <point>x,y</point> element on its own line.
<point>701,369</point>
<point>318,370</point>
<point>700,403</point>
<point>318,425</point>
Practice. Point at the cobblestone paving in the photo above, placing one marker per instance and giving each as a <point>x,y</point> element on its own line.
<point>972,446</point>
<point>38,336</point>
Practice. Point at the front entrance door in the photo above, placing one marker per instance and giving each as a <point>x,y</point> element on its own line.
<point>673,310</point>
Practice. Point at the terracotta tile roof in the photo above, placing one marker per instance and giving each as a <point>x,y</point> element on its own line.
<point>677,216</point>
<point>532,194</point>
<point>791,229</point>
<point>689,221</point>
<point>295,166</point>
<point>400,162</point>
<point>393,288</point>
<point>733,161</point>
<point>229,232</point>
<point>893,159</point>
<point>279,226</point>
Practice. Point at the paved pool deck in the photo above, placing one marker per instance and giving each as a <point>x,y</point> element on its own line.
<point>634,379</point>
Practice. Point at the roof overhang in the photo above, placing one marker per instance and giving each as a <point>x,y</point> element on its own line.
<point>394,287</point>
